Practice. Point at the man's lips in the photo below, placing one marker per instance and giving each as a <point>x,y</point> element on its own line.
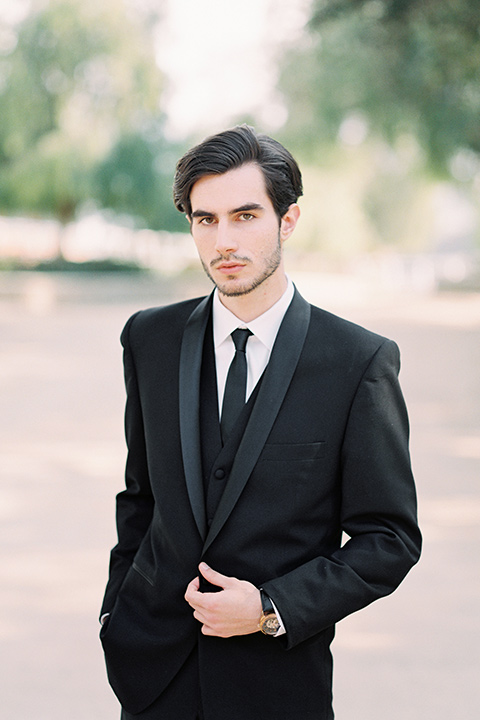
<point>230,267</point>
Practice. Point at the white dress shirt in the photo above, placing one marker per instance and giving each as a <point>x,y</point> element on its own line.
<point>259,347</point>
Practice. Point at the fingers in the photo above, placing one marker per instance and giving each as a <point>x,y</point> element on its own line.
<point>233,611</point>
<point>202,602</point>
<point>214,577</point>
<point>197,599</point>
<point>192,591</point>
<point>199,602</point>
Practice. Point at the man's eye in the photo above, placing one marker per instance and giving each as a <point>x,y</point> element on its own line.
<point>206,221</point>
<point>246,216</point>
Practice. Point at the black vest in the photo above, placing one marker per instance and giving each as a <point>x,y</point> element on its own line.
<point>217,460</point>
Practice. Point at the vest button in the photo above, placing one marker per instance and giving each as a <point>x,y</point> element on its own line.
<point>219,473</point>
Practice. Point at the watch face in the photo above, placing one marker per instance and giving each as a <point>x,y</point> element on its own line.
<point>269,624</point>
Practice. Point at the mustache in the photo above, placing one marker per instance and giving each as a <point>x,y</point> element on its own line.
<point>228,258</point>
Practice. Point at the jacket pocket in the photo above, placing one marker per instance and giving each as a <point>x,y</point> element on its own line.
<point>294,451</point>
<point>143,574</point>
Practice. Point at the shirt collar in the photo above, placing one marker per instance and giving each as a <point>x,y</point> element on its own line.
<point>265,327</point>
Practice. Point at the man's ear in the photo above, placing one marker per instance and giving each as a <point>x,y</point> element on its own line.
<point>289,221</point>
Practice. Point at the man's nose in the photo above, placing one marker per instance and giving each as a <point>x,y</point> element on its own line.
<point>225,241</point>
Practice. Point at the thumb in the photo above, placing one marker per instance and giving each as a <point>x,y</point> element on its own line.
<point>214,577</point>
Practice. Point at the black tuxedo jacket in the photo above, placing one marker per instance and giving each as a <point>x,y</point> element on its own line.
<point>325,452</point>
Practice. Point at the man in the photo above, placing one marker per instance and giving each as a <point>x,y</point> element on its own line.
<point>229,574</point>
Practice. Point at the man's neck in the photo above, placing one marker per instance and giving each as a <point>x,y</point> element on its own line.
<point>253,304</point>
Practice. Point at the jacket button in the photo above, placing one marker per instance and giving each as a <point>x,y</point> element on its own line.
<point>219,473</point>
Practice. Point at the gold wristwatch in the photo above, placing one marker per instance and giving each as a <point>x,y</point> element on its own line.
<point>269,623</point>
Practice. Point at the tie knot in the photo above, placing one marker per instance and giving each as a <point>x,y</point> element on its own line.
<point>240,337</point>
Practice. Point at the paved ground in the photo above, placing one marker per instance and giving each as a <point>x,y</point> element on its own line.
<point>414,656</point>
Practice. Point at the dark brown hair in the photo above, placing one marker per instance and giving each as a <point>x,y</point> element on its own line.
<point>230,149</point>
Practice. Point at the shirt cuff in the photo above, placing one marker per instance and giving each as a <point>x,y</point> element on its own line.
<point>281,630</point>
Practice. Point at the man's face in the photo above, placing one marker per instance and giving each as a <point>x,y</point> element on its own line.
<point>236,230</point>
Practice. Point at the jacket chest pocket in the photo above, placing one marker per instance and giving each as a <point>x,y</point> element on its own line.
<point>295,472</point>
<point>292,464</point>
<point>285,452</point>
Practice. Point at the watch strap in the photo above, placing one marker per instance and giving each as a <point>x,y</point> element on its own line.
<point>267,605</point>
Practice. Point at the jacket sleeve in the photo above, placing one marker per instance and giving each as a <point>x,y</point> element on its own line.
<point>135,503</point>
<point>378,512</point>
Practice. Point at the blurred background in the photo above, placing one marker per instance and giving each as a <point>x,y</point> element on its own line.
<point>379,101</point>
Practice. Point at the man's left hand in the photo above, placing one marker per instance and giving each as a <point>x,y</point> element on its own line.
<point>234,610</point>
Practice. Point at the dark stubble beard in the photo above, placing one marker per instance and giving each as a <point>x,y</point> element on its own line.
<point>272,264</point>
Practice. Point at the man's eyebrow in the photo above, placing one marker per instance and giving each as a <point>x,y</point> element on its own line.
<point>246,208</point>
<point>243,208</point>
<point>202,213</point>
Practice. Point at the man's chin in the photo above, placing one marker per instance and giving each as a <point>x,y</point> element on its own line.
<point>232,286</point>
<point>234,290</point>
<point>237,288</point>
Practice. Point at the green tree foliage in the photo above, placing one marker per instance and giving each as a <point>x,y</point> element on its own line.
<point>135,178</point>
<point>409,66</point>
<point>79,94</point>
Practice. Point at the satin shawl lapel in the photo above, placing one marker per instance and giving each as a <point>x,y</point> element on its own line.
<point>278,375</point>
<point>189,405</point>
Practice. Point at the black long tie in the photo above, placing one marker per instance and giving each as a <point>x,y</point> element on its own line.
<point>236,384</point>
